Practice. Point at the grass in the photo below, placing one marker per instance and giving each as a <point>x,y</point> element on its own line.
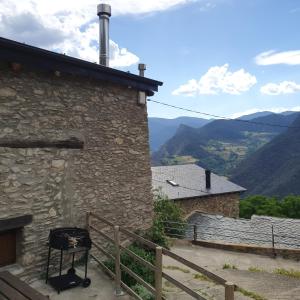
<point>255,269</point>
<point>204,294</point>
<point>228,266</point>
<point>250,294</point>
<point>177,268</point>
<point>290,273</point>
<point>201,277</point>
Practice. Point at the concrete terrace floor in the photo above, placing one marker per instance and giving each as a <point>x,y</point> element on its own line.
<point>101,288</point>
<point>264,284</point>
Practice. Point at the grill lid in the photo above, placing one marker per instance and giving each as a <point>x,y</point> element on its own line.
<point>69,238</point>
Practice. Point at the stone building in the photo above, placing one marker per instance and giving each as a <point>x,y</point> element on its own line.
<point>73,138</point>
<point>195,189</point>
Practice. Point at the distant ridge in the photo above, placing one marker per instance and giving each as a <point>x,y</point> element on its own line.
<point>275,168</point>
<point>220,145</point>
<point>160,130</point>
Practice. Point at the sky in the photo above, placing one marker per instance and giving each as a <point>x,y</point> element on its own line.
<point>223,57</point>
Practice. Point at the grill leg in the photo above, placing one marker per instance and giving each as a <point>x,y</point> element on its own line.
<point>86,262</point>
<point>48,263</point>
<point>73,259</point>
<point>60,265</point>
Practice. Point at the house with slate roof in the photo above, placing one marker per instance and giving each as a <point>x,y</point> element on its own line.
<point>73,138</point>
<point>195,189</point>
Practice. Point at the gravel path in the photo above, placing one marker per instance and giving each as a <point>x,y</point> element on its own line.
<point>262,282</point>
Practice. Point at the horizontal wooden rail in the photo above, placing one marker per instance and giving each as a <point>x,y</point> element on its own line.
<point>103,266</point>
<point>157,267</point>
<point>195,267</point>
<point>138,258</point>
<point>139,238</point>
<point>112,275</point>
<point>182,287</point>
<point>102,233</point>
<point>138,279</point>
<point>103,250</point>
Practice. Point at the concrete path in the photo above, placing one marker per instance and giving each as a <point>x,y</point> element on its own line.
<point>101,288</point>
<point>261,281</point>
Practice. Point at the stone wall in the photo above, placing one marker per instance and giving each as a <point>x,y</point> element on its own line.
<point>111,175</point>
<point>256,231</point>
<point>226,205</point>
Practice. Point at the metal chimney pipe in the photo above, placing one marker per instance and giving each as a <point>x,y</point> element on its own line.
<point>104,13</point>
<point>208,179</point>
<point>142,69</point>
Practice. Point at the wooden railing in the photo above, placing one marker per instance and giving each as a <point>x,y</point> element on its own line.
<point>157,267</point>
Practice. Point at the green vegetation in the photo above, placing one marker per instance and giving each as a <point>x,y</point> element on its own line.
<point>228,266</point>
<point>220,145</point>
<point>250,294</point>
<point>289,273</point>
<point>273,169</point>
<point>288,207</point>
<point>165,211</point>
<point>255,269</point>
<point>177,268</point>
<point>142,292</point>
<point>201,277</point>
<point>179,160</point>
<point>169,216</point>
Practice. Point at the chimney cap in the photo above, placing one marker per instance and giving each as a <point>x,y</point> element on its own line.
<point>103,9</point>
<point>142,67</point>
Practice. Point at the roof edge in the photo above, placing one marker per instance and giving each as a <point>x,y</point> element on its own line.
<point>23,53</point>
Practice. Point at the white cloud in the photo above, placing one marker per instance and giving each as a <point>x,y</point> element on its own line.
<point>284,87</point>
<point>276,110</point>
<point>275,58</point>
<point>218,80</point>
<point>71,27</point>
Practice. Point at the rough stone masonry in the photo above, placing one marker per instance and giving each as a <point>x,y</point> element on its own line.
<point>110,175</point>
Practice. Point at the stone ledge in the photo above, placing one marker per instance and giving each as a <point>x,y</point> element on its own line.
<point>268,251</point>
<point>14,223</point>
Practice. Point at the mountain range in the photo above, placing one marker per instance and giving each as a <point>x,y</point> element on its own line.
<point>274,169</point>
<point>160,130</point>
<point>221,145</point>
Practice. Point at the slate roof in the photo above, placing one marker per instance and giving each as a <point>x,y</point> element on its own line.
<point>38,58</point>
<point>191,182</point>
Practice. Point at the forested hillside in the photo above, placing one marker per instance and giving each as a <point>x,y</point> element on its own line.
<point>161,130</point>
<point>222,144</point>
<point>275,168</point>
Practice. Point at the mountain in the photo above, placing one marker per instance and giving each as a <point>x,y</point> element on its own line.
<point>160,130</point>
<point>222,144</point>
<point>274,169</point>
<point>256,115</point>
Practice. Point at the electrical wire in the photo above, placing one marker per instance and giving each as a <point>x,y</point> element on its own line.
<point>222,117</point>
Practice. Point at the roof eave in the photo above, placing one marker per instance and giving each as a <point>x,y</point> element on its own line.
<point>39,58</point>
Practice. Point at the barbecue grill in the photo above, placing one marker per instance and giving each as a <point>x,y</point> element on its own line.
<point>69,240</point>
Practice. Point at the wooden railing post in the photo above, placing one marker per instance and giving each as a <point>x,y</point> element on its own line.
<point>118,290</point>
<point>158,273</point>
<point>229,291</point>
<point>195,233</point>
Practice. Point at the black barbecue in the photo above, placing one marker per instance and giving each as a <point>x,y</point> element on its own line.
<point>68,240</point>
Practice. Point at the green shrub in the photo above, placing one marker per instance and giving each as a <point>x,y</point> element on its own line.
<point>165,211</point>
<point>169,215</point>
<point>143,292</point>
<point>156,234</point>
<point>136,267</point>
<point>288,207</point>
